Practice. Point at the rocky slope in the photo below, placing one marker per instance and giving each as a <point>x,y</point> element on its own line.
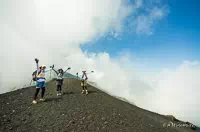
<point>74,112</point>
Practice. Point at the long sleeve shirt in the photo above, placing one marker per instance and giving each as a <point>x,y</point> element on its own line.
<point>41,75</point>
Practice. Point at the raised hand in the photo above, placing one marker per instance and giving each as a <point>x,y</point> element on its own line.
<point>36,60</point>
<point>52,66</point>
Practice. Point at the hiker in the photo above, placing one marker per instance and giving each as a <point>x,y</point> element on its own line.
<point>59,82</point>
<point>40,81</point>
<point>84,82</point>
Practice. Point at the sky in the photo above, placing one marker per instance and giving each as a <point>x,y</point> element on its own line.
<point>145,51</point>
<point>175,38</point>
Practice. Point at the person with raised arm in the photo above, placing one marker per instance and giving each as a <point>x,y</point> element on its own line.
<point>84,82</point>
<point>59,81</point>
<point>40,81</point>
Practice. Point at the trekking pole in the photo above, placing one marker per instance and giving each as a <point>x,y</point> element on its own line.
<point>77,75</point>
<point>90,72</point>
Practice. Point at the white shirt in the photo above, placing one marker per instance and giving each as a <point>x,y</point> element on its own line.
<point>42,73</point>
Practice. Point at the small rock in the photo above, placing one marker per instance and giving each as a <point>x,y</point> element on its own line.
<point>103,118</point>
<point>72,122</point>
<point>13,111</point>
<point>105,122</point>
<point>6,120</point>
<point>89,117</point>
<point>67,125</point>
<point>23,119</point>
<point>150,125</point>
<point>97,128</point>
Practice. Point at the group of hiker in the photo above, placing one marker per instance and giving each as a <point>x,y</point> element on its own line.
<point>39,77</point>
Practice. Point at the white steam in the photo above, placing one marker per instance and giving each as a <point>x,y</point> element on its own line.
<point>54,30</point>
<point>177,92</point>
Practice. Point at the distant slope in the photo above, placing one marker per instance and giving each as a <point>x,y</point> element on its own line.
<point>73,112</point>
<point>69,75</point>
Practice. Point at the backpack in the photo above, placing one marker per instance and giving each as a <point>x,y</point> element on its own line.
<point>34,75</point>
<point>86,78</point>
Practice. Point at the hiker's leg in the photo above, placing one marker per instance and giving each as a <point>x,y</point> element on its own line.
<point>86,91</point>
<point>58,88</point>
<point>36,93</point>
<point>82,85</point>
<point>43,87</point>
<point>60,93</point>
<point>82,90</point>
<point>43,92</point>
<point>61,85</point>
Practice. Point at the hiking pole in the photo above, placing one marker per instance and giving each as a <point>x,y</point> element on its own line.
<point>77,75</point>
<point>68,79</point>
<point>91,72</point>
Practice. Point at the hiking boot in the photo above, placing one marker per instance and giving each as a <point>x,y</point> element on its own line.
<point>34,102</point>
<point>82,92</point>
<point>42,99</point>
<point>86,92</point>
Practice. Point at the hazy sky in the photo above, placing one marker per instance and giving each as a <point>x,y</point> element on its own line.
<point>143,50</point>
